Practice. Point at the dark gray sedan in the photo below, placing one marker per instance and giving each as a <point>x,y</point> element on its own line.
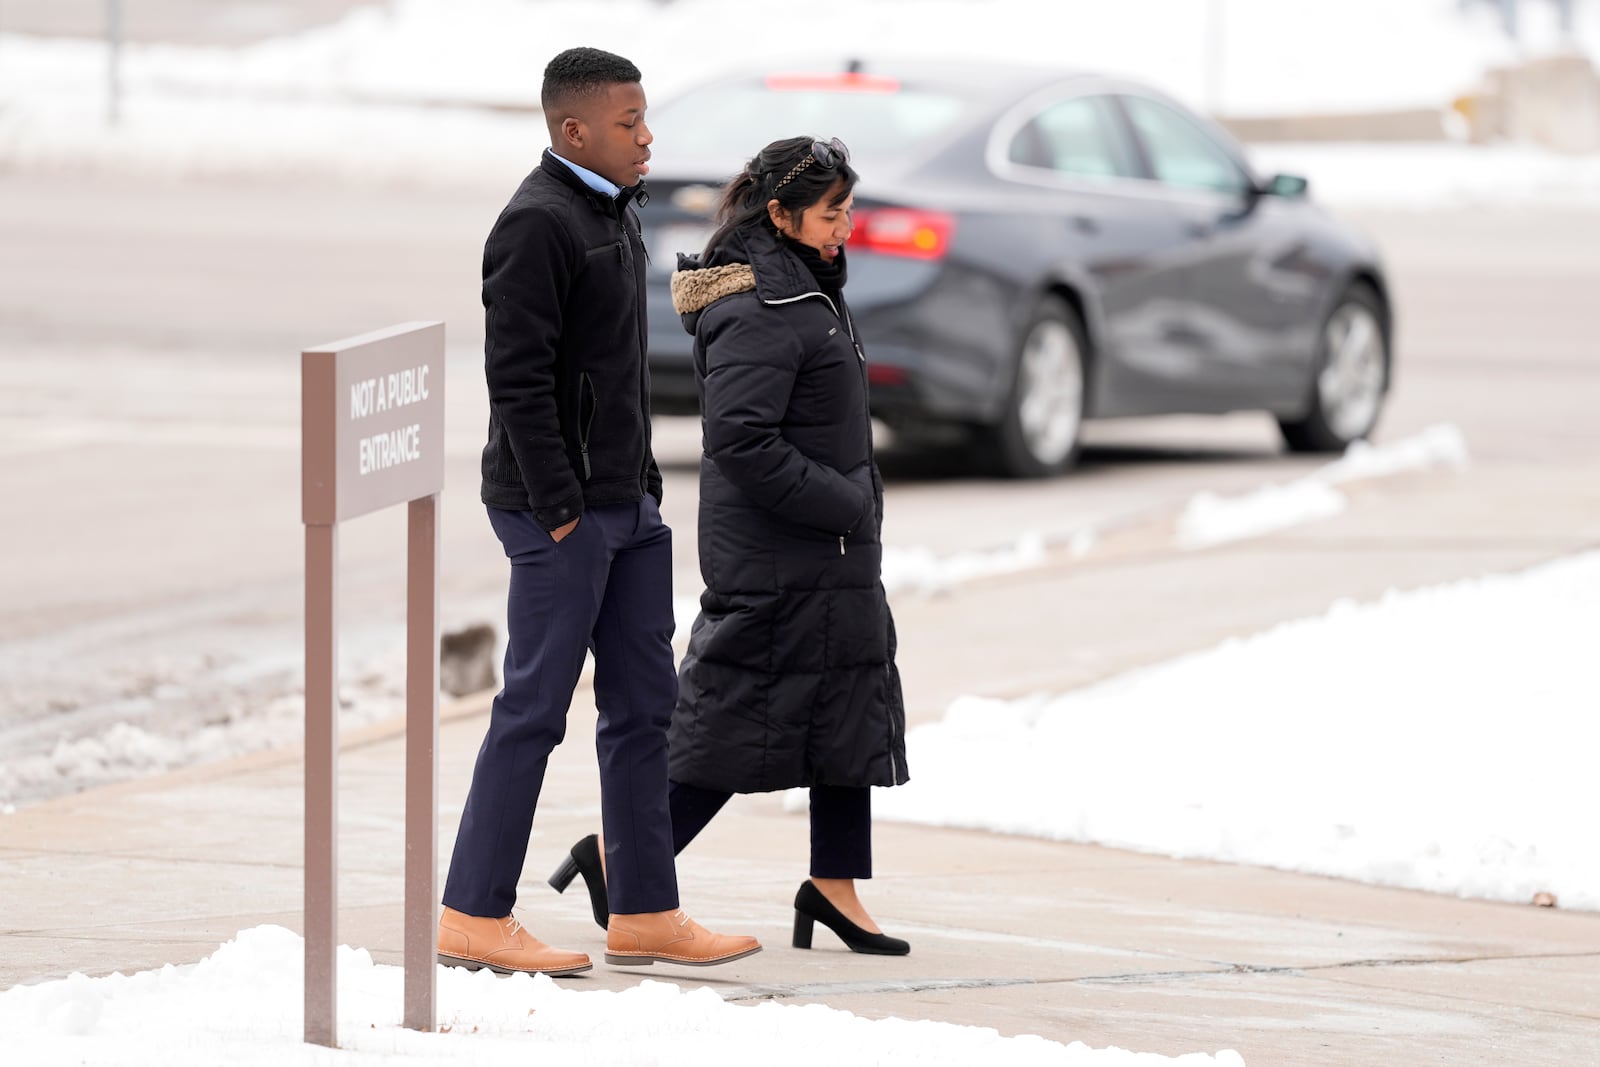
<point>1033,249</point>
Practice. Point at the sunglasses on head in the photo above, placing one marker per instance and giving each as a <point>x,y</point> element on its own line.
<point>826,154</point>
<point>830,153</point>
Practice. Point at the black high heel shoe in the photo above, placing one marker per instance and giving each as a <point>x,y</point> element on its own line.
<point>584,859</point>
<point>811,907</point>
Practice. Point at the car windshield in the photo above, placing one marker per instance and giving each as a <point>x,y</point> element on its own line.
<point>872,116</point>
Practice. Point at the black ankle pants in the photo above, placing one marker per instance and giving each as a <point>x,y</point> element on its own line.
<point>841,825</point>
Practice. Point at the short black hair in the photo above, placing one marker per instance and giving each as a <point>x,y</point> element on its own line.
<point>582,72</point>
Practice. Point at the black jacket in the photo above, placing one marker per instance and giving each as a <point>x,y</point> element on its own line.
<point>564,351</point>
<point>789,678</point>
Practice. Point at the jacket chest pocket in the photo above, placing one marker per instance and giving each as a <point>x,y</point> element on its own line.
<point>611,252</point>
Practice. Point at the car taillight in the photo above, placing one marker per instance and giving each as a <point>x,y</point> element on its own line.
<point>892,231</point>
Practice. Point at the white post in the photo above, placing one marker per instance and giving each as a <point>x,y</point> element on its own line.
<point>113,61</point>
<point>1215,54</point>
<point>1508,14</point>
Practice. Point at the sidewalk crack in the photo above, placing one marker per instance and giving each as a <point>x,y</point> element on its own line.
<point>1312,968</point>
<point>828,989</point>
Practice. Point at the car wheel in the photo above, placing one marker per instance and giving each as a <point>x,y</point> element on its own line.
<point>1038,434</point>
<point>1351,380</point>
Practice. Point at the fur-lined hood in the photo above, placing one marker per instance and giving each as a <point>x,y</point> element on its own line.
<point>695,288</point>
<point>751,259</point>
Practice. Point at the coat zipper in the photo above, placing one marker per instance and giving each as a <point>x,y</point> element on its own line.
<point>849,328</point>
<point>862,356</point>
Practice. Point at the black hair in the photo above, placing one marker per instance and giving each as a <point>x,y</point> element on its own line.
<point>578,73</point>
<point>744,199</point>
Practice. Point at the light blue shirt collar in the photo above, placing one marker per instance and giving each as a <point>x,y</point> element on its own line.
<point>590,178</point>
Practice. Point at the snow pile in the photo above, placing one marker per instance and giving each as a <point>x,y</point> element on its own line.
<point>242,1006</point>
<point>917,570</point>
<point>1211,519</point>
<point>1440,739</point>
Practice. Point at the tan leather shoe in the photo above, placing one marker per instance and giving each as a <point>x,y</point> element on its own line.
<point>501,945</point>
<point>671,937</point>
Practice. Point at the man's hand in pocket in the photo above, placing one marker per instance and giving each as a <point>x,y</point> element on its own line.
<point>561,531</point>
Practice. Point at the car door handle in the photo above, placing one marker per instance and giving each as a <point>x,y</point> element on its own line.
<point>1197,230</point>
<point>1085,224</point>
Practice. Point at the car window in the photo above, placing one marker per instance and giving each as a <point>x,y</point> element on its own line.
<point>1080,137</point>
<point>1180,151</point>
<point>735,120</point>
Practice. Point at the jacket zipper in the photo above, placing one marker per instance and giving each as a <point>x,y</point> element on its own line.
<point>586,383</point>
<point>625,245</point>
<point>849,328</point>
<point>644,348</point>
<point>862,356</point>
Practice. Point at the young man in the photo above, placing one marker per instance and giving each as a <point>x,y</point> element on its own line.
<point>572,491</point>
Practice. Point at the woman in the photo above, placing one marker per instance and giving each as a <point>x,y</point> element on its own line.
<point>789,678</point>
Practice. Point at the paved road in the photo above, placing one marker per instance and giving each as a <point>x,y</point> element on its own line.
<point>149,431</point>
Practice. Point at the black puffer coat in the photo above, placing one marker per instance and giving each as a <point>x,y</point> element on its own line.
<point>789,678</point>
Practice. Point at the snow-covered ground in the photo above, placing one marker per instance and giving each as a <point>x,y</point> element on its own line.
<point>1211,519</point>
<point>1245,57</point>
<point>1435,739</point>
<point>396,92</point>
<point>1438,739</point>
<point>242,1007</point>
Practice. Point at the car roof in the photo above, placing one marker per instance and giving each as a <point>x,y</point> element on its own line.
<point>949,72</point>
<point>995,82</point>
<point>989,89</point>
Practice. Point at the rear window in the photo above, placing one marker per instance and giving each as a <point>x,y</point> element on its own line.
<point>737,120</point>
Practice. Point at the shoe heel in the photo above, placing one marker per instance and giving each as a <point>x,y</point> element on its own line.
<point>630,961</point>
<point>803,927</point>
<point>564,874</point>
<point>811,907</point>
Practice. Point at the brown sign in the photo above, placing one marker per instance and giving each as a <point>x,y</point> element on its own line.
<point>372,422</point>
<point>371,435</point>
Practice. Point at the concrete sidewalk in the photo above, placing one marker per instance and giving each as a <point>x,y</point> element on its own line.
<point>1071,942</point>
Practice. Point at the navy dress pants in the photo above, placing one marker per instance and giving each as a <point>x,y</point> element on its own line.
<point>606,586</point>
<point>841,825</point>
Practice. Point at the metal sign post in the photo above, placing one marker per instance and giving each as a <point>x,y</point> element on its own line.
<point>372,435</point>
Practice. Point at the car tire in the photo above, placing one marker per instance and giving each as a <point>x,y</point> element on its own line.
<point>1350,379</point>
<point>1038,434</point>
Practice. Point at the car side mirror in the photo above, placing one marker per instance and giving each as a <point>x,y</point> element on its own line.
<point>1289,186</point>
